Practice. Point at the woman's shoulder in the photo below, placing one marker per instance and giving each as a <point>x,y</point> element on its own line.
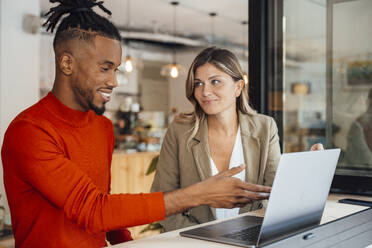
<point>257,123</point>
<point>257,119</point>
<point>180,126</point>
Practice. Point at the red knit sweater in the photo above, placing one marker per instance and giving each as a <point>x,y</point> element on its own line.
<point>56,164</point>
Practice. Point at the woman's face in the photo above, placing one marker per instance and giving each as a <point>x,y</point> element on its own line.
<point>215,90</point>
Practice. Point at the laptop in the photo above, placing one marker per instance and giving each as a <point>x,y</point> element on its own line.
<point>297,199</point>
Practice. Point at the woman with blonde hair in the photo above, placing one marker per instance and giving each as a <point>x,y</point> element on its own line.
<point>222,132</point>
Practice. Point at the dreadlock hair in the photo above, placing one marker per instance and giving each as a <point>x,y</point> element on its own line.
<point>81,23</point>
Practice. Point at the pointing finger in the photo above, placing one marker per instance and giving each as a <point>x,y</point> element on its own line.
<point>233,171</point>
<point>255,187</point>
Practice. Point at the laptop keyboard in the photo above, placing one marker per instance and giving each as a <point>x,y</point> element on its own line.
<point>248,234</point>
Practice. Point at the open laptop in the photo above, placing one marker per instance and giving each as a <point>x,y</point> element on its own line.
<point>296,202</point>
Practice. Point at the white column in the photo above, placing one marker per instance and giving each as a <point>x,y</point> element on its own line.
<point>19,65</point>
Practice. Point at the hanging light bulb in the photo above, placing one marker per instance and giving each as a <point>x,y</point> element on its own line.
<point>171,70</point>
<point>245,75</point>
<point>174,71</point>
<point>128,61</point>
<point>212,15</point>
<point>128,64</point>
<point>245,78</point>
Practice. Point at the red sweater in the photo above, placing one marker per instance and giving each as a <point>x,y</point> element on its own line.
<point>57,177</point>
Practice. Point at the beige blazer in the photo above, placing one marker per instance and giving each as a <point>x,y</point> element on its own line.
<point>180,166</point>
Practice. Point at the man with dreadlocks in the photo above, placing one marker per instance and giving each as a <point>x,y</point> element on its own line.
<point>57,153</point>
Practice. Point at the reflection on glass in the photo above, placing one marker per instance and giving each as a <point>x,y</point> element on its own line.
<point>338,104</point>
<point>359,138</point>
<point>352,85</point>
<point>304,74</point>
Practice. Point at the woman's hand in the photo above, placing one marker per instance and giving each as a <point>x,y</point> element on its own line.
<point>317,147</point>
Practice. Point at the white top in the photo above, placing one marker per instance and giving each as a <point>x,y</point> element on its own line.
<point>236,159</point>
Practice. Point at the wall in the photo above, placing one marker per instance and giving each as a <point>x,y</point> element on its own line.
<point>153,88</point>
<point>19,63</point>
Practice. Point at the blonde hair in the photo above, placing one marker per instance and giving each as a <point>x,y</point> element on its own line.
<point>225,61</point>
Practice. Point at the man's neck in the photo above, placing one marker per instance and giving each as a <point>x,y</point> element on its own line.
<point>64,93</point>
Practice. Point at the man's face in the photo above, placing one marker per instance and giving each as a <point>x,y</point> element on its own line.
<point>94,78</point>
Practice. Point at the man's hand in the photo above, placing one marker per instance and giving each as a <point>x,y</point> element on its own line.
<point>317,147</point>
<point>225,191</point>
<point>219,191</point>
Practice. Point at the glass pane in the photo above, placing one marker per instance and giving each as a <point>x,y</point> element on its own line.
<point>328,79</point>
<point>352,85</point>
<point>304,106</point>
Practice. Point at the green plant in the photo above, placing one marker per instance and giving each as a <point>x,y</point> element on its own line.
<point>152,166</point>
<point>153,227</point>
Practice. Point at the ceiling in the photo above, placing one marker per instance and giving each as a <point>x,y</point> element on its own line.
<point>192,20</point>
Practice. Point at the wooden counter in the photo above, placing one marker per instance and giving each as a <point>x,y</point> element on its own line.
<point>128,172</point>
<point>128,176</point>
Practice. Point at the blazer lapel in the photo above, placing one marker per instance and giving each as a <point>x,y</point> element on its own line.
<point>251,149</point>
<point>200,151</point>
<point>201,154</point>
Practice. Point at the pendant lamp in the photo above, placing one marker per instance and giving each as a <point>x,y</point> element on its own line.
<point>212,15</point>
<point>174,69</point>
<point>128,61</point>
<point>245,67</point>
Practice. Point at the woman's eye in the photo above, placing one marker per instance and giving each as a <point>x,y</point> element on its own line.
<point>105,69</point>
<point>215,81</point>
<point>198,84</point>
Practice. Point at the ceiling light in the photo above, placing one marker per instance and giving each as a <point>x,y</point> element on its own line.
<point>174,69</point>
<point>245,78</point>
<point>212,15</point>
<point>171,70</point>
<point>128,64</point>
<point>245,65</point>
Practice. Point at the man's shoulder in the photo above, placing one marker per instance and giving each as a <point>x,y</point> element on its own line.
<point>28,124</point>
<point>33,114</point>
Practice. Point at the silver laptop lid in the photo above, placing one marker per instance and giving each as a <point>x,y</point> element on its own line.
<point>298,197</point>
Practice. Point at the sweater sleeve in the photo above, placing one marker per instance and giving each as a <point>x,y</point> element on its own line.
<point>119,235</point>
<point>38,160</point>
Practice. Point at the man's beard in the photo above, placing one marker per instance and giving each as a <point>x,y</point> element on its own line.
<point>98,111</point>
<point>89,99</point>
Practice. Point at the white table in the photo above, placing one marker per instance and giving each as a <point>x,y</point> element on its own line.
<point>332,211</point>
